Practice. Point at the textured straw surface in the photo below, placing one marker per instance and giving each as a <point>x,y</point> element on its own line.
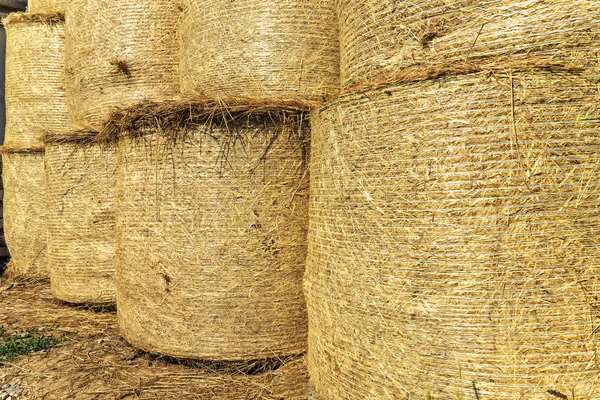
<point>80,186</point>
<point>119,53</point>
<point>453,241</point>
<point>35,78</point>
<point>44,6</point>
<point>277,51</point>
<point>390,41</point>
<point>96,363</point>
<point>24,212</point>
<point>211,240</point>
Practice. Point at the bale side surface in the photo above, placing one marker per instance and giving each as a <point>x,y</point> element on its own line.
<point>40,6</point>
<point>35,80</point>
<point>453,240</point>
<point>25,213</point>
<point>387,41</point>
<point>119,53</point>
<point>279,51</point>
<point>80,186</point>
<point>211,241</point>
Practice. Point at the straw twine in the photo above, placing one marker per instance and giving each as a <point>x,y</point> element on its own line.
<point>44,6</point>
<point>211,237</point>
<point>24,211</point>
<point>276,51</point>
<point>119,53</point>
<point>80,184</point>
<point>35,78</point>
<point>453,240</point>
<point>384,41</point>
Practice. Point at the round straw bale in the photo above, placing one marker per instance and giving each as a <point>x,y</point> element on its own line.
<point>80,186</point>
<point>24,210</point>
<point>385,41</point>
<point>119,53</point>
<point>276,51</point>
<point>35,78</point>
<point>453,240</point>
<point>211,238</point>
<point>44,6</point>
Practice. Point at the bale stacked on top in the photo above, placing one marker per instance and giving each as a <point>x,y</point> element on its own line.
<point>385,41</point>
<point>80,184</point>
<point>44,6</point>
<point>211,231</point>
<point>276,51</point>
<point>453,240</point>
<point>119,53</point>
<point>35,78</point>
<point>24,211</point>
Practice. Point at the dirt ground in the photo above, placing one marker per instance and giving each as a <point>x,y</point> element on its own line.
<point>96,363</point>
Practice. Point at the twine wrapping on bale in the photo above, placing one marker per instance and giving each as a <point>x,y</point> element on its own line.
<point>453,240</point>
<point>35,78</point>
<point>276,51</point>
<point>212,207</point>
<point>386,41</point>
<point>24,211</point>
<point>119,53</point>
<point>80,185</point>
<point>45,6</point>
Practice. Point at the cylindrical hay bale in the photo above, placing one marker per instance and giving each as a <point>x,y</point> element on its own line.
<point>118,54</point>
<point>80,186</point>
<point>24,211</point>
<point>275,51</point>
<point>453,240</point>
<point>211,235</point>
<point>35,78</point>
<point>385,41</point>
<point>45,6</point>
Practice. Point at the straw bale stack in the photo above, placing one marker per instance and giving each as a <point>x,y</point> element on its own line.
<point>80,185</point>
<point>119,53</point>
<point>45,6</point>
<point>24,210</point>
<point>385,41</point>
<point>276,51</point>
<point>35,78</point>
<point>453,240</point>
<point>211,231</point>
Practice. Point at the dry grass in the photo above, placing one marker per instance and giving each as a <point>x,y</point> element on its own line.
<point>35,80</point>
<point>383,41</point>
<point>96,363</point>
<point>45,6</point>
<point>24,211</point>
<point>80,219</point>
<point>453,240</point>
<point>173,118</point>
<point>276,51</point>
<point>119,53</point>
<point>211,236</point>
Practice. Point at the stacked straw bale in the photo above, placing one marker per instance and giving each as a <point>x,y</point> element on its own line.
<point>35,78</point>
<point>24,211</point>
<point>119,53</point>
<point>46,6</point>
<point>211,232</point>
<point>275,51</point>
<point>384,41</point>
<point>453,240</point>
<point>80,185</point>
